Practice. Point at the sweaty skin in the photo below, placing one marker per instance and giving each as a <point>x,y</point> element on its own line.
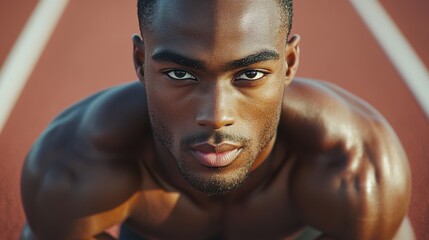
<point>218,140</point>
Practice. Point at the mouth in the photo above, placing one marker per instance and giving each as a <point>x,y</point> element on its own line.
<point>215,156</point>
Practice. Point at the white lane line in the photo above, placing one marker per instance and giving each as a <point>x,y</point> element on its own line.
<point>26,52</point>
<point>399,51</point>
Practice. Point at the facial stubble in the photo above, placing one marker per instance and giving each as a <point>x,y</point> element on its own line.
<point>216,182</point>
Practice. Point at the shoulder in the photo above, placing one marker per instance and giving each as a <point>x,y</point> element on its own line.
<point>108,120</point>
<point>117,118</point>
<point>78,167</point>
<point>351,178</point>
<point>100,126</point>
<point>318,114</point>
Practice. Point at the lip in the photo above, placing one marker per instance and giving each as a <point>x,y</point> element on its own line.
<point>219,155</point>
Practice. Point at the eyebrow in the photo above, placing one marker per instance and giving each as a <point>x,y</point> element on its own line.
<point>171,56</point>
<point>264,55</point>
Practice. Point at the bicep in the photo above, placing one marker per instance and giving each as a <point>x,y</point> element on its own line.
<point>68,193</point>
<point>360,193</point>
<point>63,204</point>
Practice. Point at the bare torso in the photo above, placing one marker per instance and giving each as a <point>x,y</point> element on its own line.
<point>92,170</point>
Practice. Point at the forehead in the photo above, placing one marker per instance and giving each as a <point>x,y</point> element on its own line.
<point>216,28</point>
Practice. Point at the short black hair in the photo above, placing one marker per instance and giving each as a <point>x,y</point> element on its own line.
<point>146,9</point>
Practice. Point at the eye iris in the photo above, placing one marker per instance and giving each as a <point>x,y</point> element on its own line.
<point>251,74</point>
<point>180,74</point>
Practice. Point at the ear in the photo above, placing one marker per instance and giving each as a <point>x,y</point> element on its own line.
<point>292,57</point>
<point>138,55</point>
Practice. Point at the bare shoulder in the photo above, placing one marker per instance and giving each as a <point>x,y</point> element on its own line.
<point>327,111</point>
<point>351,179</point>
<point>118,117</point>
<point>84,165</point>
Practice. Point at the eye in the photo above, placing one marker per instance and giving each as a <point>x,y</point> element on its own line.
<point>250,75</point>
<point>180,75</point>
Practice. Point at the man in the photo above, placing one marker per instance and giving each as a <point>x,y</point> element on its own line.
<point>218,142</point>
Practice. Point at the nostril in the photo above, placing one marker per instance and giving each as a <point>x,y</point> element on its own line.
<point>215,124</point>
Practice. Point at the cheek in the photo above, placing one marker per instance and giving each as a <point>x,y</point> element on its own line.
<point>265,103</point>
<point>263,115</point>
<point>158,96</point>
<point>168,109</point>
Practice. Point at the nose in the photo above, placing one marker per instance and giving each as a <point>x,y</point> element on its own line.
<point>216,108</point>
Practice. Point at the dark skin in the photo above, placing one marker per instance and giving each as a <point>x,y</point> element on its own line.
<point>216,85</point>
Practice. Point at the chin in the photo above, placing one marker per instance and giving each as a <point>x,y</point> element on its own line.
<point>215,181</point>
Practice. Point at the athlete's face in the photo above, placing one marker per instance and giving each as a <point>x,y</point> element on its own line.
<point>215,73</point>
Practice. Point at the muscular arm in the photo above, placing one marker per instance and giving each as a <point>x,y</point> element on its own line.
<point>351,179</point>
<point>82,175</point>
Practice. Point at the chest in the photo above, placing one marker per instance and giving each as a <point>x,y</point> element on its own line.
<point>266,214</point>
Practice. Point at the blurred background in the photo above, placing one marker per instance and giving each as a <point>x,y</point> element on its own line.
<point>90,49</point>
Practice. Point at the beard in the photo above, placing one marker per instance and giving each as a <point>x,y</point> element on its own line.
<point>218,181</point>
